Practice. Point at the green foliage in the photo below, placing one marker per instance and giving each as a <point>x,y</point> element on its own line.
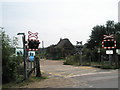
<point>56,53</point>
<point>9,61</point>
<point>96,38</point>
<point>53,53</point>
<point>72,60</point>
<point>100,30</point>
<point>15,42</point>
<point>106,66</point>
<point>20,83</point>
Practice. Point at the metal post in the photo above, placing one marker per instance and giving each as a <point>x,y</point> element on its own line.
<point>31,65</point>
<point>110,60</point>
<point>102,61</point>
<point>99,56</point>
<point>25,66</point>
<point>42,49</point>
<point>81,57</point>
<point>80,60</point>
<point>89,60</point>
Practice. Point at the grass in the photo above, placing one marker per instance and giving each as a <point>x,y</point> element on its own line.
<point>93,64</point>
<point>20,82</point>
<point>109,67</point>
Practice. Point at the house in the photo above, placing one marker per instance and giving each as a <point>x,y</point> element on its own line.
<point>66,46</point>
<point>64,43</point>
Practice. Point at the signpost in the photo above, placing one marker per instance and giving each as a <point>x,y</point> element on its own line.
<point>109,43</point>
<point>79,50</point>
<point>33,43</point>
<point>24,48</point>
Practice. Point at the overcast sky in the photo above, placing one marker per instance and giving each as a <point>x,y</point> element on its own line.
<point>55,19</point>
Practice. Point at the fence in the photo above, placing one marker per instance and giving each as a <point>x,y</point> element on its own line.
<point>102,61</point>
<point>32,66</point>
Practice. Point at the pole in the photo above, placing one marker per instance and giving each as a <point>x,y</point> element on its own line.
<point>25,66</point>
<point>110,60</point>
<point>38,72</point>
<point>81,57</point>
<point>102,61</point>
<point>42,49</point>
<point>89,60</point>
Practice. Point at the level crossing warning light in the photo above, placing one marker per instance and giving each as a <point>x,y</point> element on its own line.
<point>109,42</point>
<point>33,45</point>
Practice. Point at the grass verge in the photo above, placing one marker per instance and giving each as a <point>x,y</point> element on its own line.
<point>20,82</point>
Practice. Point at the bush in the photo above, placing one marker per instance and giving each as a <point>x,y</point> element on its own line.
<point>10,70</point>
<point>72,60</point>
<point>9,61</point>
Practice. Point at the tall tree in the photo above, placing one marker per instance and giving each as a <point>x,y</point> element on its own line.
<point>110,27</point>
<point>100,30</point>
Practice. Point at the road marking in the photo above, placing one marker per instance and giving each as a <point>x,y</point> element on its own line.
<point>87,74</point>
<point>75,75</point>
<point>86,67</point>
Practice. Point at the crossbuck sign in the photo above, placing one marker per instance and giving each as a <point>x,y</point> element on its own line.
<point>108,36</point>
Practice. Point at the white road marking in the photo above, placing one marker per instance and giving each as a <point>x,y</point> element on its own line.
<point>87,74</point>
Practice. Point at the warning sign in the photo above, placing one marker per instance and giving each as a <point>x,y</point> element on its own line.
<point>109,51</point>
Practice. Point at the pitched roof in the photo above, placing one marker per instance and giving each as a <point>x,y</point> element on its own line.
<point>64,43</point>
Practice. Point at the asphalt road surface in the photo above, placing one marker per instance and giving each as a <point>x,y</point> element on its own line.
<point>67,76</point>
<point>81,76</point>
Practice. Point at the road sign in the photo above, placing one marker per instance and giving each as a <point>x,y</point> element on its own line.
<point>19,51</point>
<point>109,51</point>
<point>32,35</point>
<point>118,51</point>
<point>31,58</point>
<point>33,43</point>
<point>108,36</point>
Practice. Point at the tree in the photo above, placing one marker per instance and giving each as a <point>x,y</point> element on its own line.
<point>15,42</point>
<point>96,36</point>
<point>110,27</point>
<point>9,62</point>
<point>100,30</point>
<point>117,37</point>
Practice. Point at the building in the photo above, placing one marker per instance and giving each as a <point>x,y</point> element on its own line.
<point>66,46</point>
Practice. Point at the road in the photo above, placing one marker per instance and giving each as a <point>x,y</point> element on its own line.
<point>67,76</point>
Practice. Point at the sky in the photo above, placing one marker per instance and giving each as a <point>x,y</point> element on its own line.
<point>55,19</point>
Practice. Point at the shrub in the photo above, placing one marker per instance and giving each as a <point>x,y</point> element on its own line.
<point>9,61</point>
